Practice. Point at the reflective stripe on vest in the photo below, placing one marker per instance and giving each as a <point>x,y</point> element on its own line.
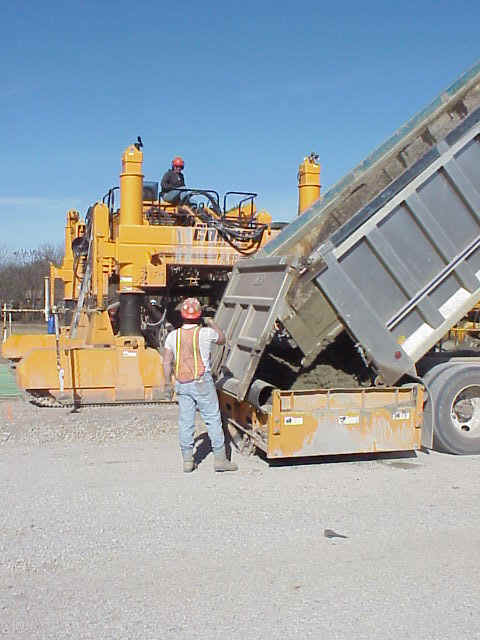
<point>198,365</point>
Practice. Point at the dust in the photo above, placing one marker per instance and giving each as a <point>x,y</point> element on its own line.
<point>337,366</point>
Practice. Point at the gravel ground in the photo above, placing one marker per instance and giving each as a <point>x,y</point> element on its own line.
<point>102,536</point>
<point>22,422</point>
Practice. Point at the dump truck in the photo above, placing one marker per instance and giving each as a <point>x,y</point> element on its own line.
<point>124,270</point>
<point>376,273</point>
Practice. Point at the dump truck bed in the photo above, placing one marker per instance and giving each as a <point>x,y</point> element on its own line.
<point>397,269</point>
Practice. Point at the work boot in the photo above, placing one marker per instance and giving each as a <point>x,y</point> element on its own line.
<point>221,461</point>
<point>188,461</point>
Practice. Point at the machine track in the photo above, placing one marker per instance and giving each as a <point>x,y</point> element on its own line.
<point>48,401</point>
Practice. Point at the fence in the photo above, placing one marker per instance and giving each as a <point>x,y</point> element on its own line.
<point>7,311</point>
<point>7,318</point>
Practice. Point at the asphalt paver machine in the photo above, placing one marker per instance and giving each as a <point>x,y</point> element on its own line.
<point>124,270</point>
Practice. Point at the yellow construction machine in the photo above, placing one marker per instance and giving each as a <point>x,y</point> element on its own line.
<point>123,273</point>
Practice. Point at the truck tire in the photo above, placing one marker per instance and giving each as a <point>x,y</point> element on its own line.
<point>456,409</point>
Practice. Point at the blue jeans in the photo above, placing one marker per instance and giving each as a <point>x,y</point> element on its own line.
<point>175,196</point>
<point>202,395</point>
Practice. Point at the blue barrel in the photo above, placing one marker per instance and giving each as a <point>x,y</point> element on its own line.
<point>51,324</point>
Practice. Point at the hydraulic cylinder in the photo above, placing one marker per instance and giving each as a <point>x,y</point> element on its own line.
<point>130,321</point>
<point>131,213</point>
<point>131,187</point>
<point>308,182</point>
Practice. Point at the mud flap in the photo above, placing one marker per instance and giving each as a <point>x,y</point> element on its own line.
<point>427,427</point>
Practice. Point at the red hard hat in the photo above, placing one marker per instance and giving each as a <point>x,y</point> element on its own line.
<point>178,162</point>
<point>191,309</point>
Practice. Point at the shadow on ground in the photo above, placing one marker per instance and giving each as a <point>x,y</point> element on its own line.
<point>384,457</point>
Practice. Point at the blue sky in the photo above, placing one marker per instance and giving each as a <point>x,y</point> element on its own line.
<point>242,92</point>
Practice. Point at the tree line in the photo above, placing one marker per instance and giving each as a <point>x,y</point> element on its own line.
<point>22,273</point>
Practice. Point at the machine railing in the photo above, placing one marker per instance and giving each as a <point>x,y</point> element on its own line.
<point>249,196</point>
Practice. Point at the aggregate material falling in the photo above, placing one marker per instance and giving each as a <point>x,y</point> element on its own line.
<point>338,366</point>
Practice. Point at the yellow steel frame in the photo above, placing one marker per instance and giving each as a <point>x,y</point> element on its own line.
<point>333,421</point>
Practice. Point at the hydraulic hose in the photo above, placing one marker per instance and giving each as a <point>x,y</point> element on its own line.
<point>233,232</point>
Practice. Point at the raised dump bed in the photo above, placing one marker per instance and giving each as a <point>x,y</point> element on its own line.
<point>394,171</point>
<point>398,275</point>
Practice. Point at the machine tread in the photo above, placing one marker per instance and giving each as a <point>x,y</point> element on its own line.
<point>48,401</point>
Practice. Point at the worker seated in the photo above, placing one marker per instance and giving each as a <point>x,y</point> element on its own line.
<point>173,184</point>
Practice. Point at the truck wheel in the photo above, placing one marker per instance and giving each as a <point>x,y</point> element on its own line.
<point>456,410</point>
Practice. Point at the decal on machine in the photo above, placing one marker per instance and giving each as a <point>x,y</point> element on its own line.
<point>291,420</point>
<point>129,354</point>
<point>401,414</point>
<point>348,419</point>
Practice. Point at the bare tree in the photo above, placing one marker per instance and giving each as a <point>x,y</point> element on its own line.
<point>22,274</point>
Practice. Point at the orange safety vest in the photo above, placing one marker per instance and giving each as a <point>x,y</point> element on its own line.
<point>188,359</point>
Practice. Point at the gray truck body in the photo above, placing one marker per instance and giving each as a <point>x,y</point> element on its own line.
<point>391,253</point>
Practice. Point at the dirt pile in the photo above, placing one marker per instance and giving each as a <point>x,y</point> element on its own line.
<point>338,366</point>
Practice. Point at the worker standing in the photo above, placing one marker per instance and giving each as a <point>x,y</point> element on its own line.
<point>173,182</point>
<point>189,348</point>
